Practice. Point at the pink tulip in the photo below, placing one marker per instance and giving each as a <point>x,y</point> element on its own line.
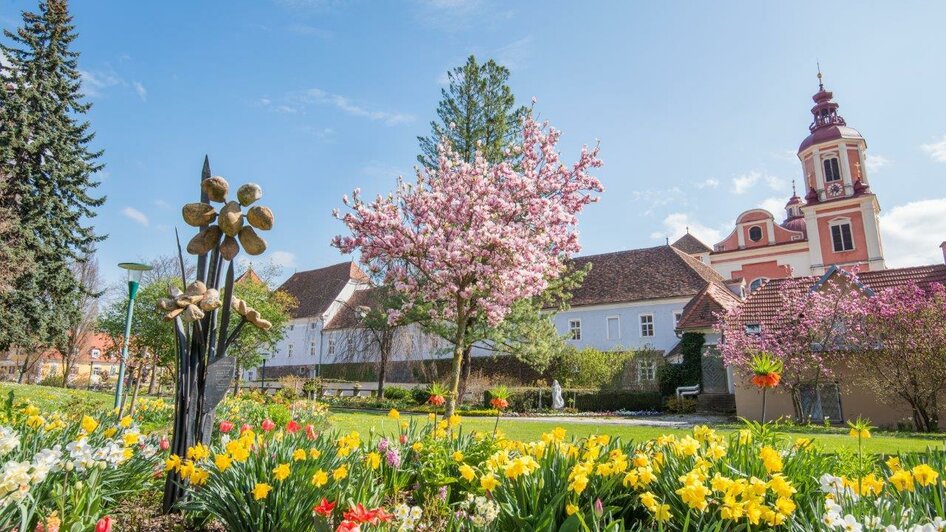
<point>226,426</point>
<point>268,425</point>
<point>104,524</point>
<point>164,444</point>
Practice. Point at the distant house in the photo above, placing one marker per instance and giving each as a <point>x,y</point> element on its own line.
<point>99,357</point>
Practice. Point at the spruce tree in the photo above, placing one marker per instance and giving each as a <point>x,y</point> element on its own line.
<point>477,112</point>
<point>49,167</point>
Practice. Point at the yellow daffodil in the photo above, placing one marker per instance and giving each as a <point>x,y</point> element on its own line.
<point>570,509</point>
<point>467,473</point>
<point>488,482</point>
<point>320,478</point>
<point>261,490</point>
<point>222,462</point>
<point>340,472</point>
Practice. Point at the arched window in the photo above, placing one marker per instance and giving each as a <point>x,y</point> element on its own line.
<point>758,282</point>
<point>832,172</point>
<point>755,233</point>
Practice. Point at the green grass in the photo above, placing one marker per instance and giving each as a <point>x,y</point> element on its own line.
<point>48,398</point>
<point>881,442</point>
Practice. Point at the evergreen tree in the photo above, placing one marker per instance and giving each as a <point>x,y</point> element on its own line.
<point>46,158</point>
<point>477,112</point>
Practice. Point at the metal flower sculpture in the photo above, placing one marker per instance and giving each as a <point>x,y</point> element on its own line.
<point>201,312</point>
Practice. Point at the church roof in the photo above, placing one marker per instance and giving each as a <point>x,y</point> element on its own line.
<point>690,244</point>
<point>641,274</point>
<point>763,303</point>
<point>247,276</point>
<point>701,311</point>
<point>317,289</point>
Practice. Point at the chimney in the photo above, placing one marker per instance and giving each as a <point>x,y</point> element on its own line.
<point>943,247</point>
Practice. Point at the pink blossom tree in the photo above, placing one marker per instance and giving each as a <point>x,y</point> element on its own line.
<point>809,329</point>
<point>467,240</point>
<point>906,360</point>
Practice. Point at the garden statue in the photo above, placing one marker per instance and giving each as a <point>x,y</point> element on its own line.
<point>557,402</point>
<point>201,311</point>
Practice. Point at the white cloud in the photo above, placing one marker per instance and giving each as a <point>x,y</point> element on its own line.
<point>913,232</point>
<point>745,182</point>
<point>140,89</point>
<point>283,259</point>
<point>515,54</point>
<point>658,198</point>
<point>936,150</point>
<point>776,206</point>
<point>344,104</point>
<point>708,183</point>
<point>161,203</point>
<point>94,83</point>
<point>876,162</point>
<point>678,223</point>
<point>135,215</point>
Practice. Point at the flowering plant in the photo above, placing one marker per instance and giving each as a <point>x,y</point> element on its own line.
<point>766,369</point>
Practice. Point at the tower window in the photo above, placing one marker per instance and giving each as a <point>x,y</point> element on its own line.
<point>832,172</point>
<point>841,237</point>
<point>755,233</point>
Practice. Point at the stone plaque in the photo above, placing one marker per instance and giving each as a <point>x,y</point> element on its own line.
<point>220,374</point>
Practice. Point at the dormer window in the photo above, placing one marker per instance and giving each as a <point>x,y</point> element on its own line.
<point>755,233</point>
<point>832,171</point>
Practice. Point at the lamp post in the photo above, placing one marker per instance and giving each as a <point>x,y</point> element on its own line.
<point>135,271</point>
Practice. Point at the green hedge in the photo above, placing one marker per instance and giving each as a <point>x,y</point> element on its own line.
<point>531,399</point>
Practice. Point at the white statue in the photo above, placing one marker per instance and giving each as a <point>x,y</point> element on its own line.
<point>557,402</point>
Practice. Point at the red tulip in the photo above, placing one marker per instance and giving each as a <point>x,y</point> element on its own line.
<point>292,427</point>
<point>226,426</point>
<point>358,513</point>
<point>348,526</point>
<point>324,508</point>
<point>104,524</point>
<point>164,444</point>
<point>310,432</point>
<point>245,427</point>
<point>268,425</point>
<point>403,439</point>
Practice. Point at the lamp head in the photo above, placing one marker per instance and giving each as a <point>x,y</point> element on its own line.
<point>135,271</point>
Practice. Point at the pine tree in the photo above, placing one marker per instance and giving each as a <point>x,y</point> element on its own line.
<point>477,112</point>
<point>46,159</point>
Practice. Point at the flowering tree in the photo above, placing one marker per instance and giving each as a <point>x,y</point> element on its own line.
<point>907,361</point>
<point>808,331</point>
<point>468,240</point>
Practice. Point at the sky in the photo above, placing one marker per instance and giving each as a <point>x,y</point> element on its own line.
<point>699,107</point>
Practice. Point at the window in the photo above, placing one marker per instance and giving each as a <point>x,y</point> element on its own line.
<point>647,325</point>
<point>676,318</point>
<point>614,327</point>
<point>646,370</point>
<point>832,172</point>
<point>841,237</point>
<point>331,346</point>
<point>350,345</point>
<point>574,329</point>
<point>313,324</point>
<point>95,353</point>
<point>821,403</point>
<point>292,327</point>
<point>757,283</point>
<point>290,350</point>
<point>312,349</point>
<point>753,328</point>
<point>755,233</point>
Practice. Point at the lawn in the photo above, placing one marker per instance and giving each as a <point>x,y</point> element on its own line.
<point>49,399</point>
<point>880,442</point>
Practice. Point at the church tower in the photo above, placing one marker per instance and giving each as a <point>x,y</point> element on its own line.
<point>840,211</point>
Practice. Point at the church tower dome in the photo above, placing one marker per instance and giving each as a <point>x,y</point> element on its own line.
<point>794,218</point>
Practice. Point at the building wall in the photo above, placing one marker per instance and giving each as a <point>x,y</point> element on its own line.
<point>594,324</point>
<point>759,262</point>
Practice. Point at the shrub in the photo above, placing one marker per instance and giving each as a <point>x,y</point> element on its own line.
<point>612,400</point>
<point>420,395</point>
<point>681,405</point>
<point>396,393</point>
<point>588,368</point>
<point>53,379</point>
<point>687,373</point>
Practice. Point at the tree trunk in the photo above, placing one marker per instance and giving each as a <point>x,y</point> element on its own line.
<point>237,378</point>
<point>382,368</point>
<point>154,377</point>
<point>467,368</point>
<point>455,379</point>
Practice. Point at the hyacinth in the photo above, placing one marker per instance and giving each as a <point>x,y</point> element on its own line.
<point>473,238</point>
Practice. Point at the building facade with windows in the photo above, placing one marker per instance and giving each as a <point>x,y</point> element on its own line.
<point>835,224</point>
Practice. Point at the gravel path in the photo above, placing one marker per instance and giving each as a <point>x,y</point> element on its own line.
<point>656,421</point>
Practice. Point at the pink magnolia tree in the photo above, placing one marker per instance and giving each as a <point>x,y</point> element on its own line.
<point>906,361</point>
<point>809,330</point>
<point>465,241</point>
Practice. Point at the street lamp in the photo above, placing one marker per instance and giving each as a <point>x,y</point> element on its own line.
<point>135,271</point>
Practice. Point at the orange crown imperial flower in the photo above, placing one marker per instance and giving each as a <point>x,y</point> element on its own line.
<point>767,370</point>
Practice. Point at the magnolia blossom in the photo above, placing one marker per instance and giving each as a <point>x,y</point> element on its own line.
<point>473,238</point>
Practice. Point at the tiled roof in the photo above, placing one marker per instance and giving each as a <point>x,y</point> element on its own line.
<point>317,289</point>
<point>702,310</point>
<point>247,276</point>
<point>349,315</point>
<point>690,244</point>
<point>761,305</point>
<point>641,274</point>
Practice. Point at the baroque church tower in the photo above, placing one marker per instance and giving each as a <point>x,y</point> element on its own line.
<point>834,224</point>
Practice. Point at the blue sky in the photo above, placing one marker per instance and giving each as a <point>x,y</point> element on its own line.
<point>699,106</point>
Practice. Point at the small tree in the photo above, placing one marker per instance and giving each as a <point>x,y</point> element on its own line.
<point>810,329</point>
<point>471,239</point>
<point>82,324</point>
<point>905,361</point>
